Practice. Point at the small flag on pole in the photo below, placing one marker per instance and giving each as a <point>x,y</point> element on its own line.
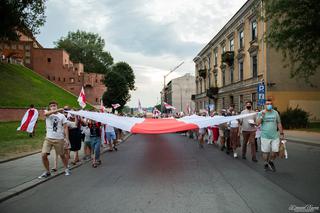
<point>139,107</point>
<point>115,106</point>
<point>168,106</point>
<point>102,108</point>
<point>82,98</point>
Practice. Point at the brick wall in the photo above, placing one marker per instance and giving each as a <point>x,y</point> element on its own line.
<point>9,114</point>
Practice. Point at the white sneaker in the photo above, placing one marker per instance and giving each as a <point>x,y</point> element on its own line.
<point>235,155</point>
<point>45,175</point>
<point>67,172</point>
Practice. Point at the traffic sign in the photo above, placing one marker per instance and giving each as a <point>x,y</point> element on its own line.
<point>261,93</point>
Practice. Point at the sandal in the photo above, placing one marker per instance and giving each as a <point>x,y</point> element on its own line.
<point>94,165</point>
<point>54,170</point>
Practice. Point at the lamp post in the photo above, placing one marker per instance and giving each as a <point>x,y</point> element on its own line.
<point>164,82</point>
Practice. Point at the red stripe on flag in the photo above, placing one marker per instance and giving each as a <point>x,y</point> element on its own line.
<point>160,126</point>
<point>25,125</point>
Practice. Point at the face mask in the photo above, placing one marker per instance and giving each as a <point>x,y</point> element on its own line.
<point>269,107</point>
<point>248,107</point>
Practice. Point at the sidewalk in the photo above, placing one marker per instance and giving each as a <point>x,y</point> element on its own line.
<point>22,174</point>
<point>312,138</point>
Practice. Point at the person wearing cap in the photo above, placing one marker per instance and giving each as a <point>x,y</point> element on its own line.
<point>248,132</point>
<point>270,138</point>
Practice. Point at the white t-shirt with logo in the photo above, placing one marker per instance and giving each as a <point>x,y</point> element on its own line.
<point>54,126</point>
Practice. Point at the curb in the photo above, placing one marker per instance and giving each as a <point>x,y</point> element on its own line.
<point>35,182</point>
<point>18,157</point>
<point>297,141</point>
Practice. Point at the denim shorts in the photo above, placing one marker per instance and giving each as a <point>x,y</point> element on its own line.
<point>111,136</point>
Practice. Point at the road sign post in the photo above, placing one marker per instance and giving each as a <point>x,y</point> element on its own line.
<point>261,93</point>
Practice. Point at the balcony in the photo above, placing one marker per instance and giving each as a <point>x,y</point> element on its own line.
<point>199,96</point>
<point>212,92</point>
<point>228,57</point>
<point>203,73</point>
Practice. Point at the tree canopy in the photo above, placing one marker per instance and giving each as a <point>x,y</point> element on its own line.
<point>87,48</point>
<point>119,80</point>
<point>26,16</point>
<point>295,30</point>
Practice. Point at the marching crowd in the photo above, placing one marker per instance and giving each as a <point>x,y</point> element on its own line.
<point>262,128</point>
<point>66,133</point>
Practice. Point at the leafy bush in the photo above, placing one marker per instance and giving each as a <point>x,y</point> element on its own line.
<point>294,118</point>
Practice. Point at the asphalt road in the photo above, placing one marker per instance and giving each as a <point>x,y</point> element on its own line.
<point>169,173</point>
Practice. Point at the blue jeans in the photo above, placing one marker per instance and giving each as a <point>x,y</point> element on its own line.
<point>95,145</point>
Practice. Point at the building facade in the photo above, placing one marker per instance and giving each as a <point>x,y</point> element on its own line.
<point>178,93</point>
<point>56,66</point>
<point>229,68</point>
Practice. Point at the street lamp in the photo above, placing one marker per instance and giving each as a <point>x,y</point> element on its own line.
<point>164,81</point>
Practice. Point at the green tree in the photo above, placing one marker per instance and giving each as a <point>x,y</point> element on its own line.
<point>87,48</point>
<point>125,70</point>
<point>294,28</point>
<point>26,16</point>
<point>117,90</point>
<point>158,107</point>
<point>119,80</point>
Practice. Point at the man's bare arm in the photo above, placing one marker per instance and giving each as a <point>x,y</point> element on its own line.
<point>50,112</point>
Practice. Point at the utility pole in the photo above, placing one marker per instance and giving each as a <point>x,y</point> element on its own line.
<point>164,82</point>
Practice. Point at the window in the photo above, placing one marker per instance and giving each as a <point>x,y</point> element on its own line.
<point>27,54</point>
<point>215,57</point>
<point>27,47</point>
<point>231,74</point>
<point>13,46</point>
<point>231,100</point>
<point>254,100</point>
<point>48,77</point>
<point>96,80</point>
<point>27,61</point>
<point>223,78</point>
<point>59,79</point>
<point>223,48</point>
<point>241,71</point>
<point>64,79</point>
<point>231,44</point>
<point>71,80</point>
<point>241,41</point>
<point>240,102</point>
<point>76,69</point>
<point>209,62</point>
<point>254,66</point>
<point>97,100</point>
<point>78,79</point>
<point>54,78</point>
<point>49,60</point>
<point>254,30</point>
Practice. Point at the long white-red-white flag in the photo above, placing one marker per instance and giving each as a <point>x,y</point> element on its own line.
<point>29,120</point>
<point>158,126</point>
<point>82,98</point>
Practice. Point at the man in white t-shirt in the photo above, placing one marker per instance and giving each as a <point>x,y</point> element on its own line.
<point>56,136</point>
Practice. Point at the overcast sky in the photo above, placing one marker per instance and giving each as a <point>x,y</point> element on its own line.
<point>153,36</point>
